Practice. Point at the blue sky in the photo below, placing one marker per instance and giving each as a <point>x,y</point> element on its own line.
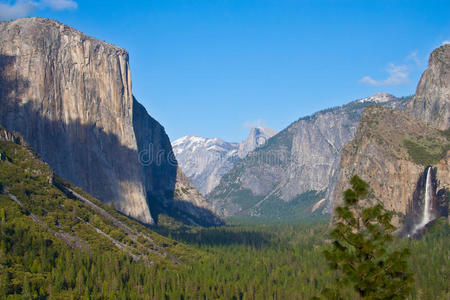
<point>215,67</point>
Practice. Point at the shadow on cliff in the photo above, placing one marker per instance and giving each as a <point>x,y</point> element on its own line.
<point>9,87</point>
<point>160,168</point>
<point>439,203</point>
<point>91,158</point>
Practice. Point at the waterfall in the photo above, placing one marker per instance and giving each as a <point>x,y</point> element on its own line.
<point>426,217</point>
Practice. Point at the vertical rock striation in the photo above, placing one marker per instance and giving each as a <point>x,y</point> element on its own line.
<point>431,102</point>
<point>391,151</point>
<point>70,96</point>
<point>256,138</point>
<point>206,160</point>
<point>169,189</point>
<point>298,167</point>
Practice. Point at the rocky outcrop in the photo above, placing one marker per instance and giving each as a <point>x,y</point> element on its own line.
<point>70,96</point>
<point>190,205</point>
<point>8,136</point>
<point>301,162</point>
<point>414,220</point>
<point>391,151</point>
<point>431,102</point>
<point>256,138</point>
<point>206,160</point>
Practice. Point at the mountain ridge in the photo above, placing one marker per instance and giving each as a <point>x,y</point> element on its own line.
<point>294,163</point>
<point>205,160</point>
<point>431,103</point>
<point>396,152</point>
<point>391,151</point>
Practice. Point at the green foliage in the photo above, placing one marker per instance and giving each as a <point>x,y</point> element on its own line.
<point>244,198</point>
<point>2,215</point>
<point>430,262</point>
<point>274,210</point>
<point>282,261</point>
<point>233,262</point>
<point>426,151</point>
<point>446,133</point>
<point>361,252</point>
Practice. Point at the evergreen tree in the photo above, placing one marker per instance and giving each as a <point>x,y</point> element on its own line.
<point>362,252</point>
<point>2,215</point>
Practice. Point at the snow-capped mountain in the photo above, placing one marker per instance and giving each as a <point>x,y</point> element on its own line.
<point>379,98</point>
<point>298,167</point>
<point>206,160</point>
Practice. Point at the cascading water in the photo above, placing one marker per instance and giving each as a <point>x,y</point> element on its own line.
<point>426,217</point>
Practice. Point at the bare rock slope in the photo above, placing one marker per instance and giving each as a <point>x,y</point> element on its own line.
<point>206,160</point>
<point>396,152</point>
<point>431,102</point>
<point>294,173</point>
<point>391,151</point>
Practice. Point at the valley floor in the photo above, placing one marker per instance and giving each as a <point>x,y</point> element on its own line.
<point>57,242</point>
<point>232,262</point>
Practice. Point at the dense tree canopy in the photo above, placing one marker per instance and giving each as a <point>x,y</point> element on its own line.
<point>257,261</point>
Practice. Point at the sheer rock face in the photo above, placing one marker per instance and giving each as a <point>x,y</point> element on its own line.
<point>70,96</point>
<point>300,159</point>
<point>256,138</point>
<point>432,100</point>
<point>169,189</point>
<point>392,150</point>
<point>206,160</point>
<point>190,204</point>
<point>379,155</point>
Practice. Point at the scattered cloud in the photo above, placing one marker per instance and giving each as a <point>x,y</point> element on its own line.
<point>22,8</point>
<point>60,4</point>
<point>255,123</point>
<point>369,80</point>
<point>398,74</point>
<point>17,10</point>
<point>446,42</point>
<point>415,58</point>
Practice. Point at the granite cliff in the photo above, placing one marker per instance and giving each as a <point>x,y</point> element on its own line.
<point>294,173</point>
<point>70,96</point>
<point>392,152</point>
<point>256,138</point>
<point>206,160</point>
<point>431,102</point>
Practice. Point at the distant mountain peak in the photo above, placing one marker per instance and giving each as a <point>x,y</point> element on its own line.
<point>205,160</point>
<point>297,169</point>
<point>256,138</point>
<point>378,98</point>
<point>431,102</point>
